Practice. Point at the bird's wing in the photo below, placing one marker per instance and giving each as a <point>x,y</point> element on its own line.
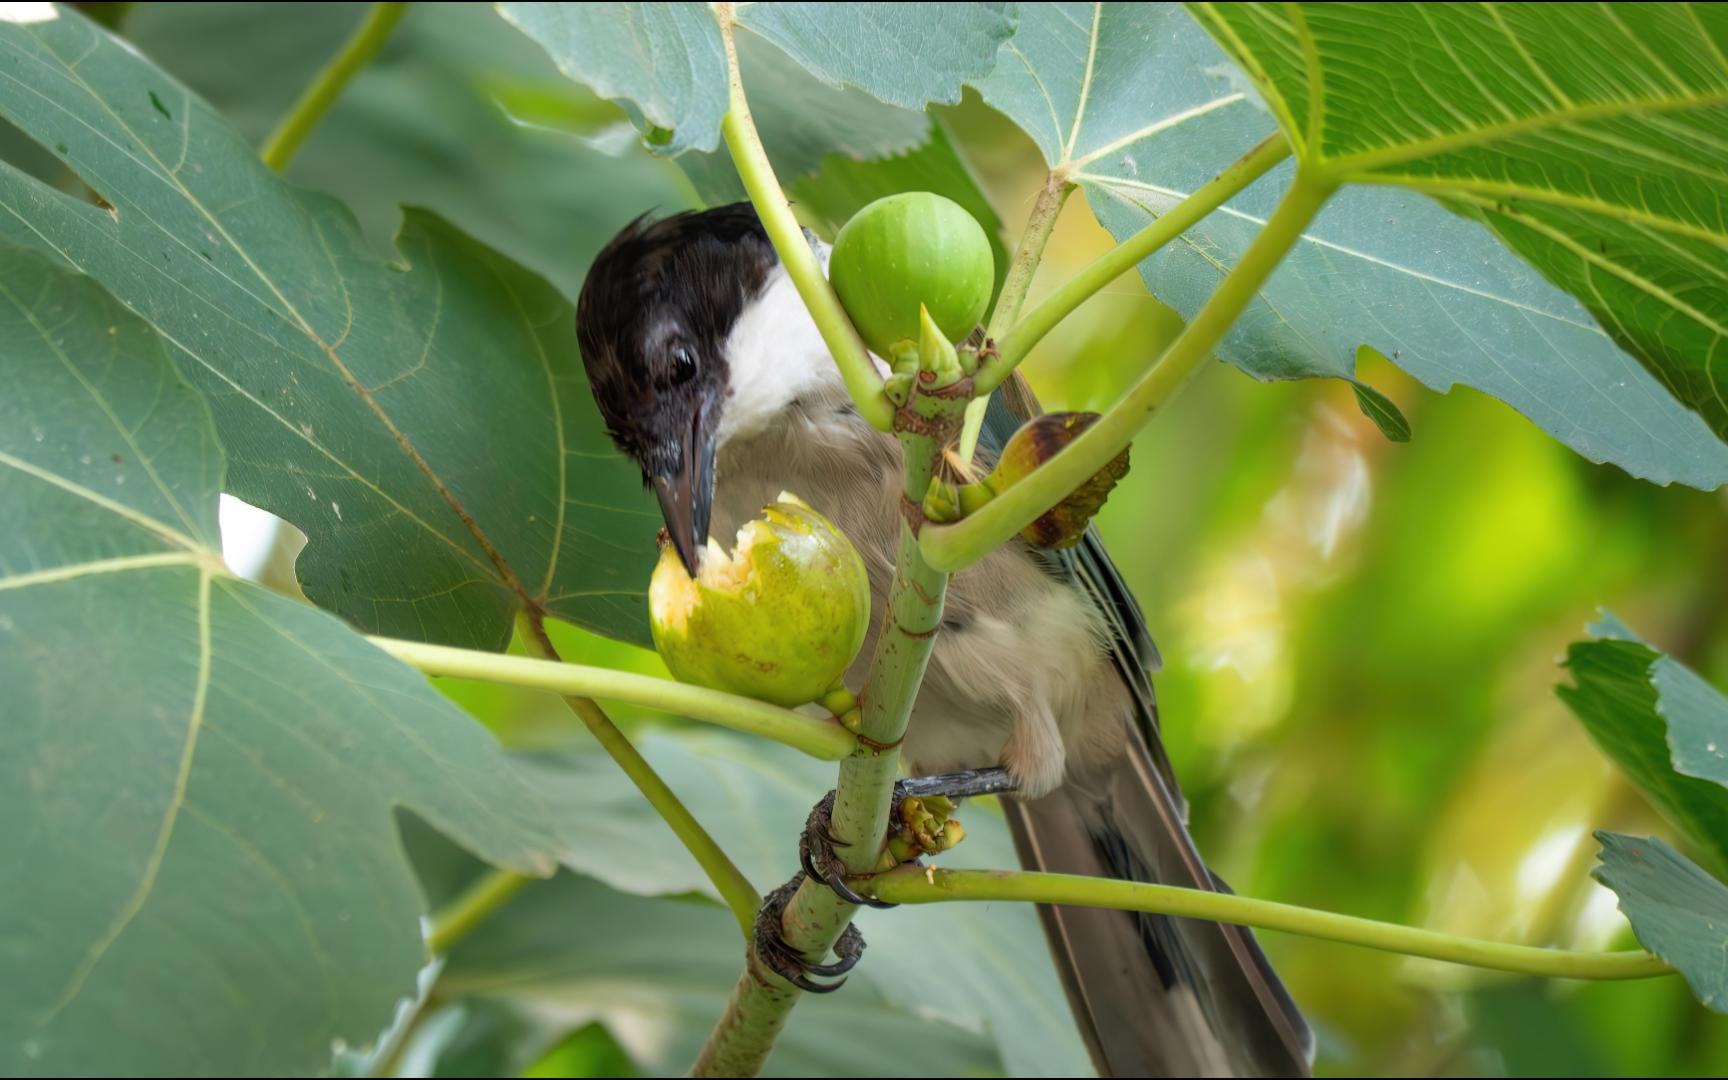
<point>1088,565</point>
<point>1152,995</point>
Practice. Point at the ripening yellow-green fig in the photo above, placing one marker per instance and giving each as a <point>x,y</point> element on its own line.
<point>779,618</point>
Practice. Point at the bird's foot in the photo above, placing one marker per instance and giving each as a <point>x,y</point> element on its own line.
<point>787,962</point>
<point>816,854</point>
<point>919,823</point>
<point>996,780</point>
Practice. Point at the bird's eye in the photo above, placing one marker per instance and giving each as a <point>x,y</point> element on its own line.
<point>683,365</point>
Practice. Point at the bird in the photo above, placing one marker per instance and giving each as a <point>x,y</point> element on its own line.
<point>710,374</point>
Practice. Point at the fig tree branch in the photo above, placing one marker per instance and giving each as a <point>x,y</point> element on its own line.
<point>923,885</point>
<point>957,546</point>
<point>280,147</point>
<point>863,381</point>
<point>815,916</point>
<point>819,737</point>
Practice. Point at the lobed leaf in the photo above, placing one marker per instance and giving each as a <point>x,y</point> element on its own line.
<point>1678,912</point>
<point>1665,728</point>
<point>666,62</point>
<point>1133,102</point>
<point>197,776</point>
<point>425,422</point>
<point>459,114</point>
<point>1607,176</point>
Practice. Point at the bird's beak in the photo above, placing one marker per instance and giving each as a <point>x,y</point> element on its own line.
<point>686,491</point>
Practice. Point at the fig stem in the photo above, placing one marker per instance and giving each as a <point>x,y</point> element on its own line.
<point>734,888</point>
<point>922,885</point>
<point>957,546</point>
<point>863,381</point>
<point>285,141</point>
<point>1014,340</point>
<point>818,737</point>
<point>1039,225</point>
<point>815,916</point>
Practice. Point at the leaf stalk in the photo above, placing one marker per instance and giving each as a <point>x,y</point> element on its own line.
<point>734,888</point>
<point>863,381</point>
<point>1015,343</point>
<point>957,546</point>
<point>284,142</point>
<point>1039,225</point>
<point>819,737</point>
<point>923,885</point>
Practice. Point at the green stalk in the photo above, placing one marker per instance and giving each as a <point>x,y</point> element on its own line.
<point>919,885</point>
<point>1013,345</point>
<point>1039,225</point>
<point>734,888</point>
<point>279,149</point>
<point>866,786</point>
<point>815,917</point>
<point>957,546</point>
<point>489,892</point>
<point>819,737</point>
<point>850,353</point>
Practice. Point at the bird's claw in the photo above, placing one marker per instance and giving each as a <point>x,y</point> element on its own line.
<point>816,854</point>
<point>787,962</point>
<point>919,826</point>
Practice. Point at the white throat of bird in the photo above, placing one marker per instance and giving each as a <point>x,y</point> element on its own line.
<point>775,356</point>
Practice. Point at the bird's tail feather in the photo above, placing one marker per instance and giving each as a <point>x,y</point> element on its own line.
<point>1153,995</point>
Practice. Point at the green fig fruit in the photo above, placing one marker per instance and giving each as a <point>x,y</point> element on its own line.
<point>910,249</point>
<point>780,618</point>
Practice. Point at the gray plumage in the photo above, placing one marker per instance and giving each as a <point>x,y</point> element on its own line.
<point>1042,664</point>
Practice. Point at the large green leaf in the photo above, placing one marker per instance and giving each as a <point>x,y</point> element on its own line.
<point>197,776</point>
<point>1665,727</point>
<point>1679,912</point>
<point>1137,105</point>
<point>666,62</point>
<point>424,422</point>
<point>995,973</point>
<point>426,123</point>
<point>1593,140</point>
<point>657,972</point>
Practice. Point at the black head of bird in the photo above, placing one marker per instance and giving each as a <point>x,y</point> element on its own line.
<point>652,323</point>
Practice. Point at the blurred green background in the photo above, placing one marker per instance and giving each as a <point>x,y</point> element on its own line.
<point>1360,638</point>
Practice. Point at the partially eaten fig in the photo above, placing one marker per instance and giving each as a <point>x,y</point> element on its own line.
<point>778,618</point>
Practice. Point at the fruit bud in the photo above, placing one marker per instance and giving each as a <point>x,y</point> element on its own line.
<point>1037,441</point>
